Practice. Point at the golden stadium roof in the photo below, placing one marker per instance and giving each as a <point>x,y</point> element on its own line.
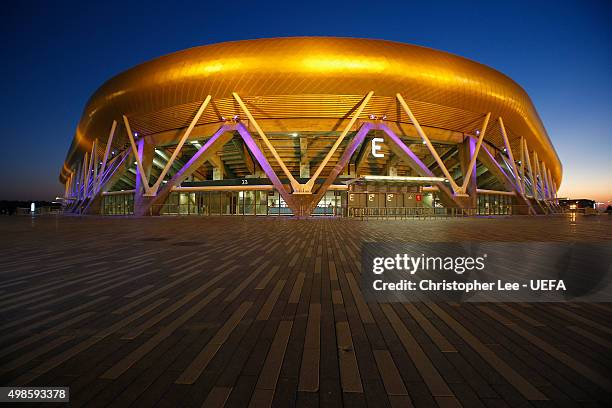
<point>314,77</point>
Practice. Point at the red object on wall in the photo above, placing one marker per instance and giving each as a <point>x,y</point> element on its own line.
<point>419,197</point>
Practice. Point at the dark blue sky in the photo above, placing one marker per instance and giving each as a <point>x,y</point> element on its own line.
<point>55,54</point>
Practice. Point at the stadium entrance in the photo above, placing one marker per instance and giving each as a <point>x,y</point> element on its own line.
<point>222,202</point>
<point>352,198</point>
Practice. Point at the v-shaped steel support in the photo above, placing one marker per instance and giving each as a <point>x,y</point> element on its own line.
<point>475,156</point>
<point>152,190</point>
<point>458,190</point>
<point>297,187</point>
<point>109,143</point>
<point>342,163</point>
<point>89,175</point>
<point>410,158</point>
<point>220,138</point>
<point>114,170</point>
<point>294,183</point>
<point>510,155</point>
<point>347,128</point>
<point>263,163</point>
<point>152,205</point>
<point>531,176</point>
<point>511,183</point>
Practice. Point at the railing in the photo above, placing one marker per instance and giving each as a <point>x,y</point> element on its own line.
<point>225,209</point>
<point>409,212</point>
<point>222,209</point>
<point>39,211</point>
<point>426,212</point>
<point>582,211</point>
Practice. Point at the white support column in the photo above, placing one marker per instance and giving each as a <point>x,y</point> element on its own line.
<point>531,174</point>
<point>73,182</point>
<point>88,178</point>
<point>538,175</point>
<point>84,176</point>
<point>523,167</point>
<point>109,143</point>
<point>551,184</point>
<point>77,180</point>
<point>543,181</point>
<point>141,172</point>
<point>180,145</point>
<point>94,160</point>
<point>546,185</point>
<point>73,179</point>
<point>465,151</point>
<point>473,161</point>
<point>510,155</point>
<point>554,187</point>
<point>347,128</point>
<point>543,192</point>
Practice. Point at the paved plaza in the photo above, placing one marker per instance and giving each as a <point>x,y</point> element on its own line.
<point>264,311</point>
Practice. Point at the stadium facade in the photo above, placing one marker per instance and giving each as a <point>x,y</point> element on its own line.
<point>311,126</point>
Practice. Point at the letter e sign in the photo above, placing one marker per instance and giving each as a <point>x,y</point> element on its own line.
<point>376,147</point>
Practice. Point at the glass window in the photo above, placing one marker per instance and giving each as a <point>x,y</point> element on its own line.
<point>261,202</point>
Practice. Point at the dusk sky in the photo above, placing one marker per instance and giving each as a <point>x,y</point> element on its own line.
<point>55,54</point>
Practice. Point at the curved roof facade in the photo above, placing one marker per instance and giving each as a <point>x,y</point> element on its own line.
<point>307,66</point>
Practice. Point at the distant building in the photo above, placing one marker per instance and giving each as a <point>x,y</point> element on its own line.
<point>576,204</point>
<point>25,207</point>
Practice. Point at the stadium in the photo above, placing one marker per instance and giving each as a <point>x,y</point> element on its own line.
<point>311,126</point>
